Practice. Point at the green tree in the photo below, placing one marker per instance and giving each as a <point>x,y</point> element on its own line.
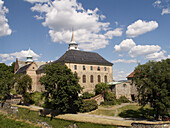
<point>62,89</point>
<point>6,82</point>
<point>153,84</point>
<point>101,88</point>
<point>23,85</point>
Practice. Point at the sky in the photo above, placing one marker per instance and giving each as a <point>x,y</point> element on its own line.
<point>124,32</point>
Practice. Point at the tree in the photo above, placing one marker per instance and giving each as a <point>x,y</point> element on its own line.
<point>101,88</point>
<point>6,82</point>
<point>153,84</point>
<point>62,89</point>
<point>23,85</point>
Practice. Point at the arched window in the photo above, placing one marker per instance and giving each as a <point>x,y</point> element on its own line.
<point>105,79</point>
<point>75,67</point>
<point>91,78</point>
<point>99,80</point>
<point>84,78</point>
<point>84,68</point>
<point>98,68</point>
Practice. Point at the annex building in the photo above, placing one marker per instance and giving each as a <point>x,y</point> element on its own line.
<point>90,67</point>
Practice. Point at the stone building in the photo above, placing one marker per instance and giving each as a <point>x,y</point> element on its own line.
<point>126,88</point>
<point>29,67</point>
<point>90,67</point>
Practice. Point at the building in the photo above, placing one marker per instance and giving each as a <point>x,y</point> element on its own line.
<point>90,67</point>
<point>29,67</point>
<point>125,88</point>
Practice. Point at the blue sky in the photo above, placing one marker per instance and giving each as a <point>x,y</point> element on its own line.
<point>125,32</point>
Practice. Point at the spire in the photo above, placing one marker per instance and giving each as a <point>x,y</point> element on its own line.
<point>29,56</point>
<point>73,45</point>
<point>72,38</point>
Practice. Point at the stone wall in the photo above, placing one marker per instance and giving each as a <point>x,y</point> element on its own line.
<point>151,125</point>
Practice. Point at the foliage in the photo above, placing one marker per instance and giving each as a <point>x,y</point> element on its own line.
<point>23,85</point>
<point>108,103</point>
<point>153,84</point>
<point>87,95</point>
<point>62,89</point>
<point>37,98</point>
<point>101,88</point>
<point>33,116</point>
<point>122,99</point>
<point>88,105</point>
<point>10,123</point>
<point>6,81</point>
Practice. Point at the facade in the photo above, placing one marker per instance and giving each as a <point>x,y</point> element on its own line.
<point>127,89</point>
<point>90,67</point>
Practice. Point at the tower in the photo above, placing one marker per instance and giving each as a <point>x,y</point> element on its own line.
<point>73,45</point>
<point>29,56</point>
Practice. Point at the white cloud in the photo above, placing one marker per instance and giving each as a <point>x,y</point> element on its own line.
<point>143,50</point>
<point>164,5</point>
<point>38,17</point>
<point>140,27</point>
<point>121,72</point>
<point>20,55</point>
<point>4,27</point>
<point>125,45</point>
<point>157,55</point>
<point>34,1</point>
<point>165,11</point>
<point>61,15</point>
<point>124,61</point>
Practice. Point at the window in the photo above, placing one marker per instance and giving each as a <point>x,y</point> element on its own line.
<point>99,78</point>
<point>98,68</point>
<point>105,79</point>
<point>91,78</point>
<point>105,69</point>
<point>32,67</point>
<point>124,85</point>
<point>91,67</point>
<point>84,78</point>
<point>84,68</point>
<point>75,67</point>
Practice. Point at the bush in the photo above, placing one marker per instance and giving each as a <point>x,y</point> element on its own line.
<point>88,105</point>
<point>37,98</point>
<point>122,99</point>
<point>101,88</point>
<point>87,95</point>
<point>108,103</point>
<point>109,96</point>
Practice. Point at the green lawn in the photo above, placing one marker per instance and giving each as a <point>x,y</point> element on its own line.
<point>135,111</point>
<point>34,117</point>
<point>10,123</point>
<point>103,112</point>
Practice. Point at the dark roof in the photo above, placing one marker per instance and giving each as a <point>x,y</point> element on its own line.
<point>23,69</point>
<point>82,57</point>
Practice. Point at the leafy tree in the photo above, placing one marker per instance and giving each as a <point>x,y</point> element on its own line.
<point>62,89</point>
<point>23,85</point>
<point>153,84</point>
<point>101,88</point>
<point>6,82</point>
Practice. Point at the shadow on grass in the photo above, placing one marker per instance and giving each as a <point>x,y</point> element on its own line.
<point>138,114</point>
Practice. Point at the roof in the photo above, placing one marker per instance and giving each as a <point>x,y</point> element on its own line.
<point>113,83</point>
<point>82,57</point>
<point>23,69</point>
<point>131,75</point>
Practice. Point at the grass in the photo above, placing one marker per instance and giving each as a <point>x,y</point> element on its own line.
<point>135,111</point>
<point>10,123</point>
<point>103,112</point>
<point>33,116</point>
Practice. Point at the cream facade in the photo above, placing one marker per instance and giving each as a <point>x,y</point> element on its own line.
<point>90,74</point>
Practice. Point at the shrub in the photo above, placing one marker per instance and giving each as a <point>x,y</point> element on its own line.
<point>37,98</point>
<point>88,105</point>
<point>101,88</point>
<point>108,103</point>
<point>87,95</point>
<point>122,99</point>
<point>109,96</point>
